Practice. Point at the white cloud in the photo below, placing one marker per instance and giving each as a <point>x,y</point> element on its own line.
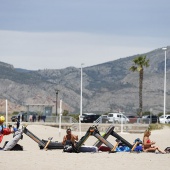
<point>34,50</point>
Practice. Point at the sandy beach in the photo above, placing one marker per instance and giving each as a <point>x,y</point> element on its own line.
<point>34,158</point>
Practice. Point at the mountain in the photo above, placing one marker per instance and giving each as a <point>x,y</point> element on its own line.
<point>106,87</point>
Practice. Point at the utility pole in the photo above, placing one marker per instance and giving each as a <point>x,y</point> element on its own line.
<point>56,99</point>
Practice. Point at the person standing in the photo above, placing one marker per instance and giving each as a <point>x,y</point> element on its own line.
<point>30,118</point>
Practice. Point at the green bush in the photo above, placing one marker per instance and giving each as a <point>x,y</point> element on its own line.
<point>75,116</point>
<point>15,113</point>
<point>155,126</point>
<point>65,113</point>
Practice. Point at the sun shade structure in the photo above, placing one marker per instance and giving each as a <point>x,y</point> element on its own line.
<point>110,131</point>
<point>42,143</point>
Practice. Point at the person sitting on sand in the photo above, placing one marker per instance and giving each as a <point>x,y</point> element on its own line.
<point>148,145</point>
<point>69,138</point>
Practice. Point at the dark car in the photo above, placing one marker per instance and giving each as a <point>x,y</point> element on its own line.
<point>150,119</point>
<point>23,117</point>
<point>90,118</point>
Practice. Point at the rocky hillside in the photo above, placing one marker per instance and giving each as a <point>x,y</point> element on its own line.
<point>106,87</point>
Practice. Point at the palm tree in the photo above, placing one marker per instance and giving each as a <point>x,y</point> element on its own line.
<point>139,63</point>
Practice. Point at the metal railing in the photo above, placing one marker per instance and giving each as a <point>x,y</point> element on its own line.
<point>55,119</point>
<point>100,120</point>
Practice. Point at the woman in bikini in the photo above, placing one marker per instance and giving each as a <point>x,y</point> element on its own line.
<point>148,145</point>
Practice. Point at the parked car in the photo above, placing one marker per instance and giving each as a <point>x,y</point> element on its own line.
<point>166,120</point>
<point>84,114</point>
<point>90,118</point>
<point>150,119</point>
<point>132,118</point>
<point>117,118</point>
<point>20,115</point>
<point>104,119</point>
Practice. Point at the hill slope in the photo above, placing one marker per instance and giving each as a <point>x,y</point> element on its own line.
<point>106,87</point>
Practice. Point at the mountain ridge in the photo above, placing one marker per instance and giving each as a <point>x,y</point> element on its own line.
<point>106,87</point>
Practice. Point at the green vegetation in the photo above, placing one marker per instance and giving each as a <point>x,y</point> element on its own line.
<point>161,113</point>
<point>75,116</point>
<point>15,113</point>
<point>157,126</point>
<point>65,113</point>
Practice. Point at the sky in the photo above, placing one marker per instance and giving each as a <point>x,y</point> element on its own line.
<point>55,34</point>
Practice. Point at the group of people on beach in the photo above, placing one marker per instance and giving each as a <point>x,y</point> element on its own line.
<point>147,144</point>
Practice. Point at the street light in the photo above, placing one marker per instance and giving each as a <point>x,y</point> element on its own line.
<point>150,121</point>
<point>56,99</point>
<point>81,84</point>
<point>164,48</point>
<point>81,90</point>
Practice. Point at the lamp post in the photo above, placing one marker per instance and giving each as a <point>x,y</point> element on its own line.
<point>81,84</point>
<point>81,89</point>
<point>6,112</point>
<point>150,121</point>
<point>165,48</point>
<point>56,99</point>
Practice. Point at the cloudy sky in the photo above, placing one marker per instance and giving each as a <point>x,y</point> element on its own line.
<point>55,34</point>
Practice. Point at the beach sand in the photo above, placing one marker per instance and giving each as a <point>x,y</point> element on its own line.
<point>35,159</point>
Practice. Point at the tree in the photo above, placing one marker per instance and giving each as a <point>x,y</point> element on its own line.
<point>65,113</point>
<point>139,63</point>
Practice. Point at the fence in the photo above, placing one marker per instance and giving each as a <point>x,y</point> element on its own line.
<point>68,121</point>
<point>101,120</point>
<point>55,119</point>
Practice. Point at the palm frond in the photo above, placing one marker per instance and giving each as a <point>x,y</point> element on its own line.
<point>133,68</point>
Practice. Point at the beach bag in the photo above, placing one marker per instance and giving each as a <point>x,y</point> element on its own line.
<point>17,147</point>
<point>138,149</point>
<point>69,147</point>
<point>13,143</point>
<point>88,149</point>
<point>167,150</point>
<point>138,140</point>
<point>123,149</point>
<point>104,148</point>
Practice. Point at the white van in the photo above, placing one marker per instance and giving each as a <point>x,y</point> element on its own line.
<point>117,118</point>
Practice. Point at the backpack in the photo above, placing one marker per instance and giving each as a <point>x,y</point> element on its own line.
<point>12,145</point>
<point>17,147</point>
<point>138,140</point>
<point>69,147</point>
<point>167,150</point>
